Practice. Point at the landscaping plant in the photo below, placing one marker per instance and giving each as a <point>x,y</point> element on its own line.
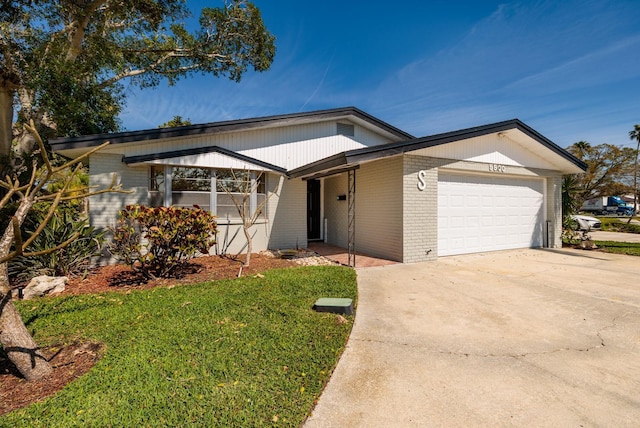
<point>240,187</point>
<point>157,242</point>
<point>65,224</point>
<point>24,194</point>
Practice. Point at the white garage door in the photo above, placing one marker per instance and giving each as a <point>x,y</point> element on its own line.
<point>485,213</point>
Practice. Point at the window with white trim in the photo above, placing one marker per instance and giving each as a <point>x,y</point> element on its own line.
<point>210,189</point>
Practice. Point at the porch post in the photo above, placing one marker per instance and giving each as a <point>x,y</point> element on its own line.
<point>351,195</point>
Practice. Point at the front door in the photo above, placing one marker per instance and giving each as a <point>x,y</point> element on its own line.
<point>313,210</point>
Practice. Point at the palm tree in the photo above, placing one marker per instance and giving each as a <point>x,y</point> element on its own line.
<point>570,195</point>
<point>635,135</point>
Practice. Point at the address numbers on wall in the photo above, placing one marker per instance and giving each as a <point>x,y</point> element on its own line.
<point>494,167</point>
<point>422,174</point>
<point>422,180</point>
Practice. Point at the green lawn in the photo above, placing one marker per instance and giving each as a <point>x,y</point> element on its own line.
<point>237,353</point>
<point>628,248</point>
<point>614,224</point>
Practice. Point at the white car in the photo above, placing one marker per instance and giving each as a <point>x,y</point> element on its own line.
<point>586,222</point>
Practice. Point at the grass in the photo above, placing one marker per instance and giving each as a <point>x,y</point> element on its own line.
<point>245,352</point>
<point>613,224</point>
<point>628,248</point>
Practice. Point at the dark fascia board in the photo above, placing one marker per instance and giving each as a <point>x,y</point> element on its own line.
<point>357,156</point>
<point>332,172</point>
<point>335,161</point>
<point>201,150</point>
<point>218,127</point>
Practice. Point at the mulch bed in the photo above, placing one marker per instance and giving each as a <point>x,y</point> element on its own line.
<point>72,361</point>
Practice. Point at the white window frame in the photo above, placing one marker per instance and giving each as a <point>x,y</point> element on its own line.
<point>253,197</point>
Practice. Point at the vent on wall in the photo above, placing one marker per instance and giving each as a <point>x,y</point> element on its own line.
<point>346,129</point>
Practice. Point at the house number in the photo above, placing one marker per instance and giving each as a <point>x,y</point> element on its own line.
<point>496,168</point>
<point>422,180</point>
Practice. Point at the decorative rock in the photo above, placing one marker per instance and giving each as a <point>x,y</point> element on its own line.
<point>588,245</point>
<point>44,285</point>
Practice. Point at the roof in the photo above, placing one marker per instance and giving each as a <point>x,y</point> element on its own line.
<point>404,142</point>
<point>344,160</point>
<point>132,160</point>
<point>359,116</point>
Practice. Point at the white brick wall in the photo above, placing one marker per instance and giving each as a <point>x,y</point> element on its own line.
<point>379,215</point>
<point>104,208</point>
<point>287,211</point>
<point>420,209</point>
<point>554,211</point>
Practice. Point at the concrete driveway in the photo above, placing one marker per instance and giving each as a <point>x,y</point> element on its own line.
<point>514,338</point>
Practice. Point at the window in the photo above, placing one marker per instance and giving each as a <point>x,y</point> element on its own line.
<point>191,186</point>
<point>210,189</point>
<point>346,129</point>
<point>156,181</point>
<point>190,179</point>
<point>156,186</point>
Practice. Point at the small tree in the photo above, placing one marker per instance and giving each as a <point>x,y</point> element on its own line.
<point>20,347</point>
<point>609,170</point>
<point>176,121</point>
<point>240,187</point>
<point>570,190</point>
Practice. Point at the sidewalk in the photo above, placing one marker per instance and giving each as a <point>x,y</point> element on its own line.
<point>600,235</point>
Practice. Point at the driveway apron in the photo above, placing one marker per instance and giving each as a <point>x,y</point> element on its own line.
<point>511,338</point>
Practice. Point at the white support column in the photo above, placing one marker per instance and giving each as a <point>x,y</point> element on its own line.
<point>351,208</point>
<point>253,197</point>
<point>213,197</point>
<point>167,186</point>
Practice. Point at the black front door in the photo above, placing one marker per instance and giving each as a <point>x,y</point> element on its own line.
<point>313,209</point>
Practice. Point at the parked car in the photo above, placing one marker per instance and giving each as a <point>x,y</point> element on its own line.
<point>586,222</point>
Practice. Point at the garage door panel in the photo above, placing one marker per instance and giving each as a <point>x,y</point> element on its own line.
<point>484,213</point>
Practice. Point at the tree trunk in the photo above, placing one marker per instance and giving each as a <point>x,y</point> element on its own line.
<point>6,120</point>
<point>16,341</point>
<point>247,234</point>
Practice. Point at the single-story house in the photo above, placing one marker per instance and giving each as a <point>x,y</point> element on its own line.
<point>347,178</point>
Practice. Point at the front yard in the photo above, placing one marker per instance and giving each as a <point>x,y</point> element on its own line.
<point>241,352</point>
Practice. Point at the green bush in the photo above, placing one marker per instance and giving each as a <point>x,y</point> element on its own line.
<point>72,260</point>
<point>156,242</point>
<point>570,231</point>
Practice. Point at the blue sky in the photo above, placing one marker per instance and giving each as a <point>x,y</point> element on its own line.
<point>570,69</point>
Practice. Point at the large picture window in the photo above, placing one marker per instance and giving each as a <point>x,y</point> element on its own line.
<point>191,186</point>
<point>210,189</point>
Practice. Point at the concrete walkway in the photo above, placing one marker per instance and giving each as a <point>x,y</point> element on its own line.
<point>514,338</point>
<point>341,255</point>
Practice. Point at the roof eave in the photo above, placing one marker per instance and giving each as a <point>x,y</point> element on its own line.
<point>357,156</point>
<point>88,141</point>
<point>132,160</point>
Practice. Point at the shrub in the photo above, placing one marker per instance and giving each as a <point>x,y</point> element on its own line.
<point>156,242</point>
<point>73,259</point>
<point>571,233</point>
